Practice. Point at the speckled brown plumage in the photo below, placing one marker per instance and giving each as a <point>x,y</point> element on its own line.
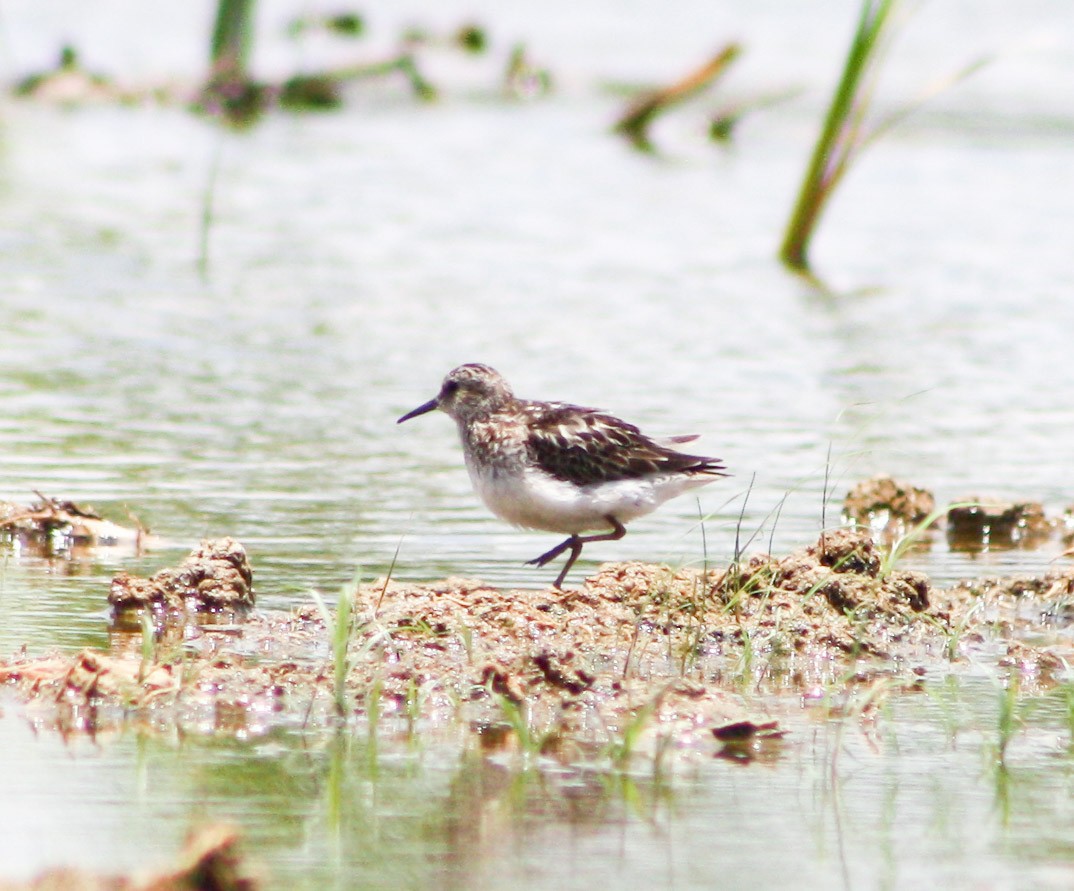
<point>585,446</point>
<point>561,467</point>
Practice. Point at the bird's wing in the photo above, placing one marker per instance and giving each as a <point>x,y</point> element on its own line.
<point>584,446</point>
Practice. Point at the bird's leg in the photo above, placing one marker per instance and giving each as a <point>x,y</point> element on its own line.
<point>551,555</point>
<point>575,543</point>
<point>576,549</point>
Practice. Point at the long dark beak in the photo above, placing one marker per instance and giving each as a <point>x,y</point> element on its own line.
<point>420,410</point>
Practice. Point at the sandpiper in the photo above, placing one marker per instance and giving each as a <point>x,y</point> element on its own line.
<point>560,467</point>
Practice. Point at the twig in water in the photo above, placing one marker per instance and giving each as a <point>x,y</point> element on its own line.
<point>634,124</point>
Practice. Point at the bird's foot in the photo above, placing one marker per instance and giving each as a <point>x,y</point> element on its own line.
<point>551,555</point>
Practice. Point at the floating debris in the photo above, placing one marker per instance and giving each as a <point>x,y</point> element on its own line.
<point>342,24</point>
<point>472,38</point>
<point>523,79</point>
<point>50,527</point>
<point>634,123</point>
<point>68,84</point>
<point>746,741</point>
<point>311,92</point>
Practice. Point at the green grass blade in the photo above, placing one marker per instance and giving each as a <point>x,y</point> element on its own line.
<point>836,141</point>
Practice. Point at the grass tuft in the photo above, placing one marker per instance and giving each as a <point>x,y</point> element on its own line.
<point>844,135</point>
<point>340,628</point>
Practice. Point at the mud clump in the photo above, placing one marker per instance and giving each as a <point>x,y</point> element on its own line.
<point>887,506</point>
<point>831,597</point>
<point>1066,527</point>
<point>847,550</point>
<point>210,859</point>
<point>1053,591</point>
<point>51,527</point>
<point>975,524</point>
<point>856,580</point>
<point>215,577</point>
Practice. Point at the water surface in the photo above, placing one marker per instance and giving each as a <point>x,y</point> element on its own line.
<point>355,257</point>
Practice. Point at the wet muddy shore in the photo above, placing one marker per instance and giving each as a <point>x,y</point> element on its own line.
<point>636,664</point>
<point>671,649</point>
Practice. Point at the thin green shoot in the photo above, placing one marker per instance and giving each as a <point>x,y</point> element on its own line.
<point>954,634</point>
<point>776,513</point>
<point>372,713</point>
<point>704,542</point>
<point>413,705</point>
<point>739,547</point>
<point>826,489</point>
<point>207,205</point>
<point>1008,717</point>
<point>466,633</point>
<point>517,717</point>
<point>149,643</point>
<point>388,576</point>
<point>621,748</point>
<point>746,659</point>
<point>340,627</point>
<point>630,648</point>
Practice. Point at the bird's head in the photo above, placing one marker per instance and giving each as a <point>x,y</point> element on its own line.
<point>467,392</point>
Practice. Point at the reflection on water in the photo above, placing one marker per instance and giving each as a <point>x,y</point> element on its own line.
<point>886,801</point>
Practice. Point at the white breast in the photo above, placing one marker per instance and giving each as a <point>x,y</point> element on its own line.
<point>536,500</point>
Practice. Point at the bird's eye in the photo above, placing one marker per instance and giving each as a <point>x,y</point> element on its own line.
<point>450,388</point>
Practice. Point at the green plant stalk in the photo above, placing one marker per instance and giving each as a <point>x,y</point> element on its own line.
<point>149,643</point>
<point>837,140</point>
<point>338,759</point>
<point>340,642</point>
<point>515,713</point>
<point>413,704</point>
<point>339,629</point>
<point>953,635</point>
<point>466,632</point>
<point>620,751</point>
<point>372,710</point>
<point>230,42</point>
<point>207,213</point>
<point>745,661</point>
<point>1008,720</point>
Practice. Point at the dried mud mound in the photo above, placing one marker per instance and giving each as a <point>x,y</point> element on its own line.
<point>978,522</point>
<point>822,605</point>
<point>215,577</point>
<point>890,506</point>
